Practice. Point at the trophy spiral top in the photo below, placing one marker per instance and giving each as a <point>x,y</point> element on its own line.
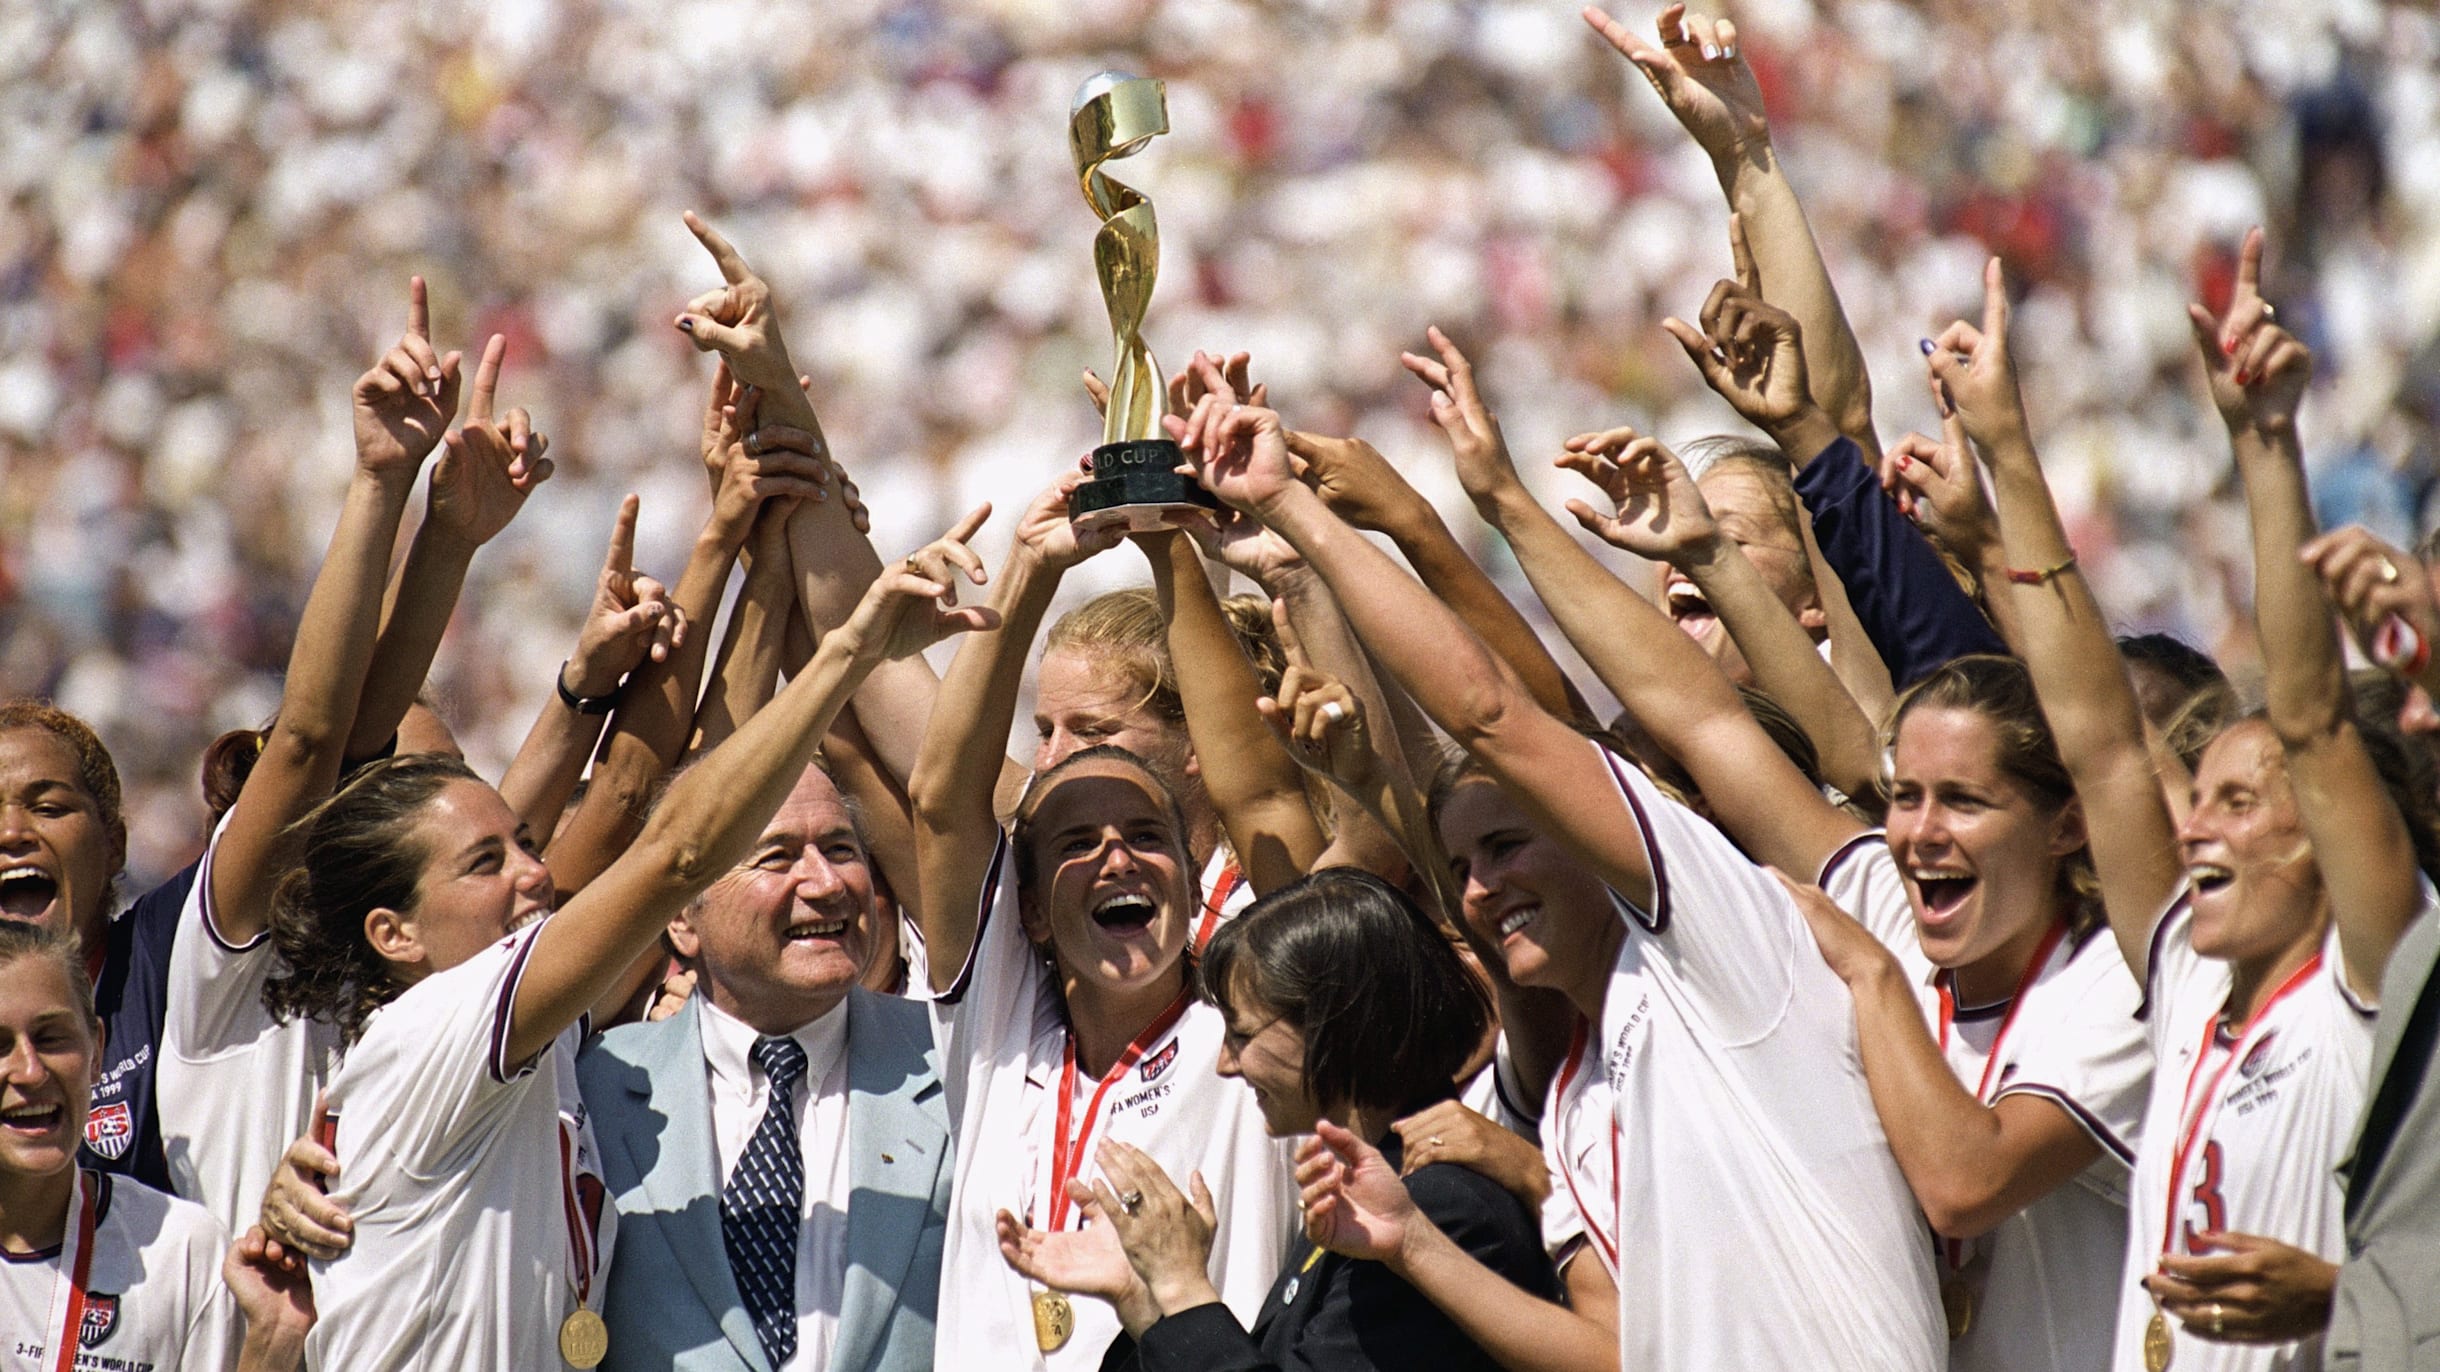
<point>1114,116</point>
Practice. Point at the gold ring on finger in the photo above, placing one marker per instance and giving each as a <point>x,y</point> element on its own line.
<point>2389,571</point>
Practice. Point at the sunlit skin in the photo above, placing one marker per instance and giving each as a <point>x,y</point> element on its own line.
<point>49,1053</point>
<point>1980,853</point>
<point>483,877</point>
<point>1741,505</point>
<point>780,937</point>
<point>51,830</point>
<point>1268,1053</point>
<point>1508,873</point>
<point>1082,700</point>
<point>2259,902</point>
<point>1110,897</point>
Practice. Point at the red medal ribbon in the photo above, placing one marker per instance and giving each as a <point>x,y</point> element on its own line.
<point>1607,1245</point>
<point>2016,1001</point>
<point>1067,1154</point>
<point>580,1234</point>
<point>2192,1113</point>
<point>1231,876</point>
<point>75,1270</point>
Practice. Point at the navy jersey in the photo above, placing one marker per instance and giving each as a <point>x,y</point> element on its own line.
<point>123,1130</point>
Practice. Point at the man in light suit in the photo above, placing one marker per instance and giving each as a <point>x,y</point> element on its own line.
<point>777,1151</point>
<point>2386,1311</point>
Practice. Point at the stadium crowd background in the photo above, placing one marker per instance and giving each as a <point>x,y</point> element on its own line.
<point>208,208</point>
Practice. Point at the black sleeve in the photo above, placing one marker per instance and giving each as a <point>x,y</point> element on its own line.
<point>1365,1318</point>
<point>1911,608</point>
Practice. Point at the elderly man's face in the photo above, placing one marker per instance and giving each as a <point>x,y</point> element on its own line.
<point>780,937</point>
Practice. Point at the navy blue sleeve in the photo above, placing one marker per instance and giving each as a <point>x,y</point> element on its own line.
<point>1911,608</point>
<point>131,995</point>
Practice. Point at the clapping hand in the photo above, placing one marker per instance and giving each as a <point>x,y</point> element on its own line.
<point>1353,1200</point>
<point>1659,513</point>
<point>408,398</point>
<point>2257,370</point>
<point>488,468</point>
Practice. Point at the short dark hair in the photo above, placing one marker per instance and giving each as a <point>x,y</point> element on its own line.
<point>1388,1013</point>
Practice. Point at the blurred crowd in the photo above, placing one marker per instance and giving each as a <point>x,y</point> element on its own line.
<point>208,209</point>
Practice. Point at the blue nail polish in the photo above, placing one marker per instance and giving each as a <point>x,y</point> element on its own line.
<point>1927,347</point>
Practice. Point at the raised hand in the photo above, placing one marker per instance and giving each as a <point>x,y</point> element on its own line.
<point>1700,76</point>
<point>2383,593</point>
<point>1748,350</point>
<point>1187,386</point>
<point>1483,464</point>
<point>631,617</point>
<point>1354,480</point>
<point>913,603</point>
<point>1938,484</point>
<point>1973,373</point>
<point>1239,452</point>
<point>773,463</point>
<point>738,320</point>
<point>408,398</point>
<point>1659,513</point>
<point>1045,534</point>
<point>1354,1203</point>
<point>2257,370</point>
<point>488,468</point>
<point>1240,543</point>
<point>1314,713</point>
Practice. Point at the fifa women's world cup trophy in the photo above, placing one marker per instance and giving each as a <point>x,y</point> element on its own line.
<point>1135,484</point>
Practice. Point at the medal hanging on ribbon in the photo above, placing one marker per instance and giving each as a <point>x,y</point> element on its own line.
<point>584,1340</point>
<point>75,1270</point>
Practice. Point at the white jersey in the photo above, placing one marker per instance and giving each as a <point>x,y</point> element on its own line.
<point>235,1088</point>
<point>475,1184</point>
<point>2244,1131</point>
<point>1771,1226</point>
<point>1580,1142</point>
<point>2043,1285</point>
<point>1223,893</point>
<point>154,1301</point>
<point>1003,1053</point>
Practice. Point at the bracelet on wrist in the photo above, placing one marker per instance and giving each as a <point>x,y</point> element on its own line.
<point>2398,646</point>
<point>583,705</point>
<point>2021,577</point>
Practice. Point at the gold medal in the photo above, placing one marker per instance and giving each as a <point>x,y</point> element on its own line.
<point>1957,1302</point>
<point>583,1339</point>
<point>1054,1321</point>
<point>2156,1344</point>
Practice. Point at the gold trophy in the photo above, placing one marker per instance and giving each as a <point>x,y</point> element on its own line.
<point>1135,484</point>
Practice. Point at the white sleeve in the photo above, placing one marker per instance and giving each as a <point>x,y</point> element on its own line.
<point>1562,1222</point>
<point>215,999</point>
<point>1863,879</point>
<point>2174,972</point>
<point>1727,929</point>
<point>215,1329</point>
<point>993,998</point>
<point>432,1061</point>
<point>2089,1055</point>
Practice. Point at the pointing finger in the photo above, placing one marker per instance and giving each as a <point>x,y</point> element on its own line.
<point>2249,266</point>
<point>487,378</point>
<point>1995,302</point>
<point>621,558</point>
<point>1289,644</point>
<point>1742,255</point>
<point>419,313</point>
<point>733,268</point>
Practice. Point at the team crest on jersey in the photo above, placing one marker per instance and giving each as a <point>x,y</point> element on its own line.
<point>1159,1062</point>
<point>101,1317</point>
<point>2257,1058</point>
<point>110,1129</point>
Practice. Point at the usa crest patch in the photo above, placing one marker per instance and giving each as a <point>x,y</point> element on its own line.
<point>1159,1062</point>
<point>110,1130</point>
<point>101,1317</point>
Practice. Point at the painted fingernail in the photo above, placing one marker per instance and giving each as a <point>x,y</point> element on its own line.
<point>1927,347</point>
<point>1729,52</point>
<point>1711,52</point>
<point>2243,379</point>
<point>2228,345</point>
<point>685,324</point>
<point>1905,463</point>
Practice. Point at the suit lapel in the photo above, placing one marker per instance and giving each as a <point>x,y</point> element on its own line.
<point>688,1170</point>
<point>898,1142</point>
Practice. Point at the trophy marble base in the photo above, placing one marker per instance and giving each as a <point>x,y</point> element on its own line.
<point>1135,487</point>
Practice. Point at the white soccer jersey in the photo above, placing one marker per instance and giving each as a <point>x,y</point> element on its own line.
<point>1580,1142</point>
<point>2043,1285</point>
<point>475,1184</point>
<point>153,1296</point>
<point>1003,1047</point>
<point>235,1087</point>
<point>2244,1131</point>
<point>1224,894</point>
<point>1770,1225</point>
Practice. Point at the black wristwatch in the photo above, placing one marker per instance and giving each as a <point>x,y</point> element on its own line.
<point>583,705</point>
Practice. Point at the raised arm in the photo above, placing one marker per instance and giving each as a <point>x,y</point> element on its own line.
<point>1662,677</point>
<point>957,827</point>
<point>1658,512</point>
<point>401,407</point>
<point>1538,759</point>
<point>713,812</point>
<point>628,616</point>
<point>1254,785</point>
<point>2065,643</point>
<point>2257,372</point>
<point>746,673</point>
<point>1360,486</point>
<point>1704,80</point>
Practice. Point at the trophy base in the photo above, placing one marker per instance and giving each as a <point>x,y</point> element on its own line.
<point>1135,487</point>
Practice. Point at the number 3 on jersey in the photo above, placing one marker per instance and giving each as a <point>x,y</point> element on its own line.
<point>2207,1195</point>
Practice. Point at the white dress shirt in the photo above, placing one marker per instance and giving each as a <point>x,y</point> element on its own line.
<point>740,1092</point>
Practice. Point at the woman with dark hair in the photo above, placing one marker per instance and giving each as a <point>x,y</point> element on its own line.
<point>1344,1005</point>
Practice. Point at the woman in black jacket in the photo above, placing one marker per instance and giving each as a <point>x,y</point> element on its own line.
<point>1344,1004</point>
